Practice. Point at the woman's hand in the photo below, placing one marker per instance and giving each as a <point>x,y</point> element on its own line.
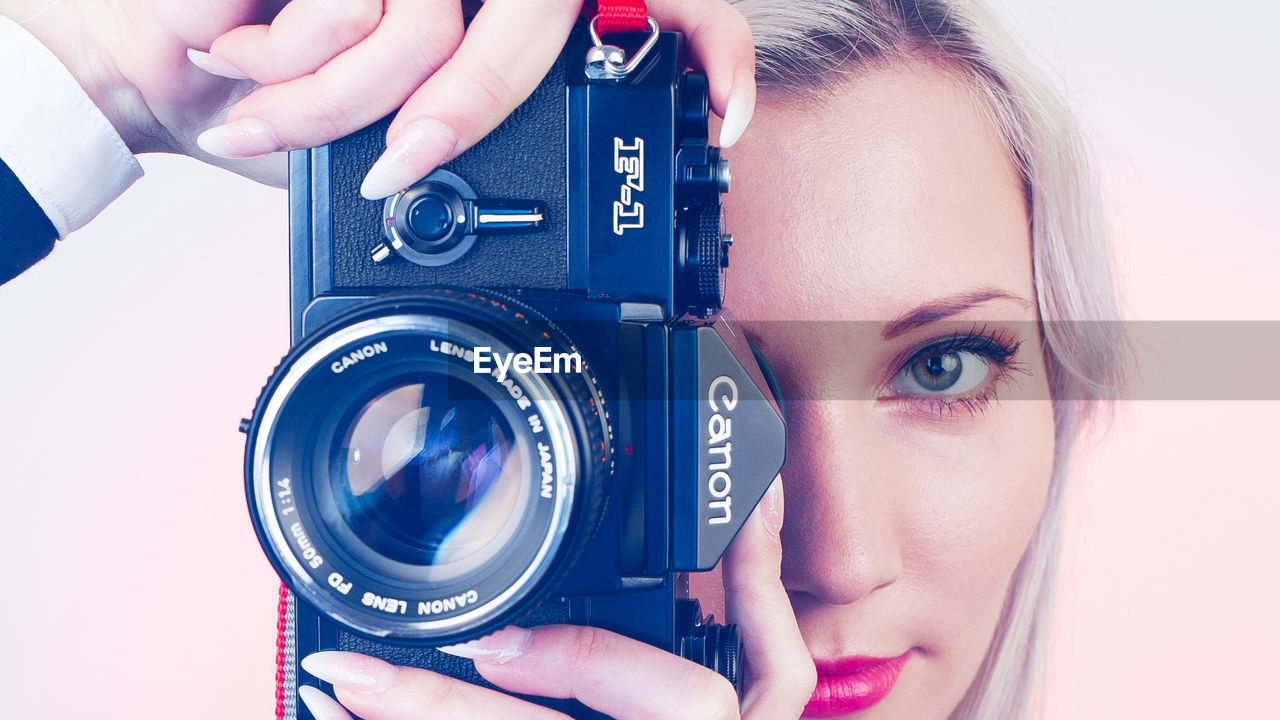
<point>275,75</point>
<point>620,677</point>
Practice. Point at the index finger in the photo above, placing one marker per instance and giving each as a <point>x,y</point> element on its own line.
<point>619,676</point>
<point>498,65</point>
<point>720,40</point>
<point>349,91</point>
<point>781,674</point>
<point>507,51</point>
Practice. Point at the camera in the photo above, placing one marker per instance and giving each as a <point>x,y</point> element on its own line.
<point>512,394</point>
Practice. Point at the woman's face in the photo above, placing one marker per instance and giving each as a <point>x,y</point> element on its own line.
<point>883,266</point>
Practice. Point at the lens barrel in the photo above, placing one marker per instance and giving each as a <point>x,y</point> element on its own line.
<point>405,495</point>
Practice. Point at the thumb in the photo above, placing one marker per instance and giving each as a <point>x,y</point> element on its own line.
<point>781,673</point>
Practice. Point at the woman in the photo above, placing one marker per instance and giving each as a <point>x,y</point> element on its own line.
<point>940,528</point>
<point>919,201</point>
<point>885,193</point>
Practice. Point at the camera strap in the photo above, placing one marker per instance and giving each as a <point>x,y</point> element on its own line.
<point>611,63</point>
<point>282,655</point>
<point>619,16</point>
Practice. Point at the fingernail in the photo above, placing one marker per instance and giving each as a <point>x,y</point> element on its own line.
<point>742,105</point>
<point>500,647</point>
<point>351,671</point>
<point>772,515</point>
<point>414,152</point>
<point>215,65</point>
<point>244,138</point>
<point>322,706</point>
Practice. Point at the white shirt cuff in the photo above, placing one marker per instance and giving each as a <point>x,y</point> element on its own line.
<point>52,136</point>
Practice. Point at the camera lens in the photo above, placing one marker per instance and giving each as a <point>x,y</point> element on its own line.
<point>430,218</point>
<point>403,493</point>
<point>426,473</point>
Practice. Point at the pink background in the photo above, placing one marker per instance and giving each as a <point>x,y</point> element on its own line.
<point>134,587</point>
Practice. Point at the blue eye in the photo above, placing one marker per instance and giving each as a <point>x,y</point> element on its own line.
<point>937,371</point>
<point>958,372</point>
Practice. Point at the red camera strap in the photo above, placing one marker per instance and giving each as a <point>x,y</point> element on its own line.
<point>621,16</point>
<point>282,622</point>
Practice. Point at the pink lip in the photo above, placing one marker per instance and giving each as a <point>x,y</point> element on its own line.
<point>848,685</point>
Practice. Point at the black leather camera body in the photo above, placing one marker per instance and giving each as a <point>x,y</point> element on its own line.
<point>512,396</point>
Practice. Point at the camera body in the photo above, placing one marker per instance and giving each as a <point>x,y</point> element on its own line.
<point>512,396</point>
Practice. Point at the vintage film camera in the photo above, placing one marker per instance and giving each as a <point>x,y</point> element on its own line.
<point>511,396</point>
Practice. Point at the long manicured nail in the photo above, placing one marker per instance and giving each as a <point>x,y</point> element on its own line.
<point>500,647</point>
<point>742,105</point>
<point>351,671</point>
<point>322,706</point>
<point>215,65</point>
<point>772,514</point>
<point>244,138</point>
<point>414,152</point>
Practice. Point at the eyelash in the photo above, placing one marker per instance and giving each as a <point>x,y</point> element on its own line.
<point>996,347</point>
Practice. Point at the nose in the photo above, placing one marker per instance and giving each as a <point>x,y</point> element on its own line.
<point>841,537</point>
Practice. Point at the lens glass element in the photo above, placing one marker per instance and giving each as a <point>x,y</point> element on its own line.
<point>428,473</point>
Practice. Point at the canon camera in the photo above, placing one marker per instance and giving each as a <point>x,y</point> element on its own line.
<point>513,396</point>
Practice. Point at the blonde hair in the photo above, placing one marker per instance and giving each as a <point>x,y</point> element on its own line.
<point>805,46</point>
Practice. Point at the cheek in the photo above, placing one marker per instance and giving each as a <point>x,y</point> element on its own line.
<point>975,500</point>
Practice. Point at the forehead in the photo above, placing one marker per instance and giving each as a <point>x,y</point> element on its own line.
<point>893,190</point>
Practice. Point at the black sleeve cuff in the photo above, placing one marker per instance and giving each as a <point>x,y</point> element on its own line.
<point>26,234</point>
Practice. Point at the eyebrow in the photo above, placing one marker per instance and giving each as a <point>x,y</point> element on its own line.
<point>943,308</point>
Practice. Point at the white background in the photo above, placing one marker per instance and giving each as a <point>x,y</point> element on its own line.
<point>133,586</point>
